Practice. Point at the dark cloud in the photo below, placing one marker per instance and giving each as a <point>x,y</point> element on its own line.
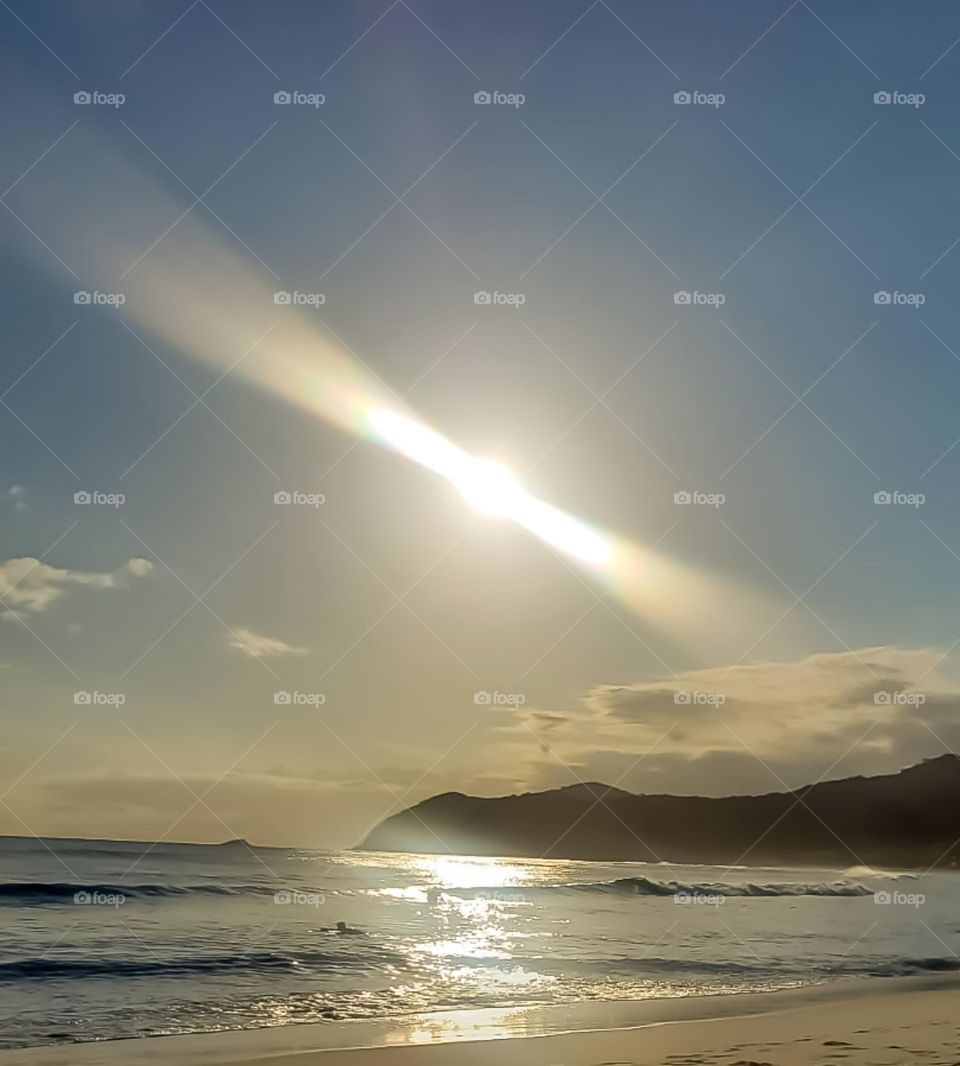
<point>757,727</point>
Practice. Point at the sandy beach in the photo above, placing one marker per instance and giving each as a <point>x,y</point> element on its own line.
<point>852,1023</point>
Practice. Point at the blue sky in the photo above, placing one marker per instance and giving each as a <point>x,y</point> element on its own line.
<point>796,199</point>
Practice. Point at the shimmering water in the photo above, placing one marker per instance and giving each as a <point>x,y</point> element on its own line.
<point>102,939</point>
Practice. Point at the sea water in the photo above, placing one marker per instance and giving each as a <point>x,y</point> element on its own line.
<point>104,939</point>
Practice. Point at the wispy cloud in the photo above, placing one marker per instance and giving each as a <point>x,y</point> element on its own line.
<point>16,493</point>
<point>257,646</point>
<point>30,586</point>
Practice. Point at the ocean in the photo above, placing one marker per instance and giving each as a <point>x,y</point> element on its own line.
<point>104,939</point>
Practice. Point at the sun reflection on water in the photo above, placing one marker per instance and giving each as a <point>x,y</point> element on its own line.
<point>471,873</point>
<point>466,1025</point>
<point>474,926</point>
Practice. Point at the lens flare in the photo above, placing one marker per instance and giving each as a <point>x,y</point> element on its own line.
<point>211,303</point>
<point>491,488</point>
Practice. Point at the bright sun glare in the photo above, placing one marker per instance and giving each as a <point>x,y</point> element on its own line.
<point>491,488</point>
<point>471,873</point>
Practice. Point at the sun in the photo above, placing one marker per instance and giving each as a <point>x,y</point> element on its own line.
<point>490,487</point>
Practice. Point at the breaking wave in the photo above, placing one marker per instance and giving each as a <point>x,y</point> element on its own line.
<point>13,893</point>
<point>266,962</point>
<point>645,886</point>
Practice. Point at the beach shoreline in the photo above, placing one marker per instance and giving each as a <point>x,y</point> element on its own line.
<point>852,1020</point>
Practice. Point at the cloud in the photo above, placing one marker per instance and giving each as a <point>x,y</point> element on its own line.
<point>772,707</point>
<point>260,647</point>
<point>29,586</point>
<point>749,727</point>
<point>139,567</point>
<point>16,493</point>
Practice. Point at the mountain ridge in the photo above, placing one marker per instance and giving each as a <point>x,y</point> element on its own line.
<point>910,819</point>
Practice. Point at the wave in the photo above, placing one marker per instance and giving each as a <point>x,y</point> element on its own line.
<point>752,968</point>
<point>261,962</point>
<point>645,886</point>
<point>870,871</point>
<point>37,893</point>
<point>935,965</point>
<point>311,962</point>
<point>909,967</point>
<point>14,893</point>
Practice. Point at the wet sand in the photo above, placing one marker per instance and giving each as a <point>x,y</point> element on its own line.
<point>867,1023</point>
